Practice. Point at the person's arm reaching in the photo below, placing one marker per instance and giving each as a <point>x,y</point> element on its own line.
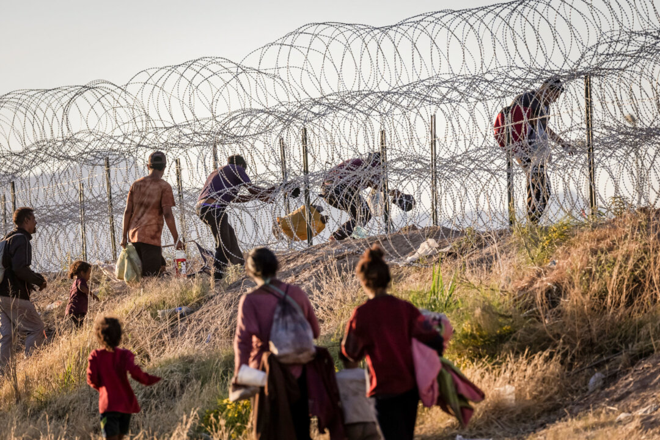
<point>136,372</point>
<point>567,146</point>
<point>256,193</point>
<point>166,203</point>
<point>168,215</point>
<point>126,222</point>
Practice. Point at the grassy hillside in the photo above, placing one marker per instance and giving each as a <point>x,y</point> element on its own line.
<point>539,309</point>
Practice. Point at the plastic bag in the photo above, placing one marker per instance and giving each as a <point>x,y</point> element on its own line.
<point>129,266</point>
<point>375,202</point>
<point>291,337</point>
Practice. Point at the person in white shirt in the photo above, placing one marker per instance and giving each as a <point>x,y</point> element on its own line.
<point>360,421</point>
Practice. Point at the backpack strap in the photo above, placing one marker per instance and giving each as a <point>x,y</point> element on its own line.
<point>283,295</point>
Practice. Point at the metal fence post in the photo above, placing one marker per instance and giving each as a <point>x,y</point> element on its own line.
<point>386,191</point>
<point>12,188</point>
<point>285,175</point>
<point>83,234</point>
<point>111,217</point>
<point>590,144</point>
<point>182,214</point>
<point>434,175</point>
<point>308,209</point>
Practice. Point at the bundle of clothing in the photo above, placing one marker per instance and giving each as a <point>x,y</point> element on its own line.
<point>271,415</point>
<point>439,381</point>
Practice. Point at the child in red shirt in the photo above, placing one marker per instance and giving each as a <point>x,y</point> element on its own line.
<point>382,330</point>
<point>76,308</point>
<point>106,373</point>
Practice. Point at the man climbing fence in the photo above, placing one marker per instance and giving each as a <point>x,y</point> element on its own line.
<point>523,127</point>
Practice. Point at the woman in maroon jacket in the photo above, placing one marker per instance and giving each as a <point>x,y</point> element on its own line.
<point>255,319</point>
<point>382,330</point>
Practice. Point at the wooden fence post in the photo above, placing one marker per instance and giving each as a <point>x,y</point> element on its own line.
<point>308,214</point>
<point>182,215</point>
<point>590,145</point>
<point>285,175</point>
<point>511,204</point>
<point>4,214</point>
<point>12,188</point>
<point>434,175</point>
<point>386,192</point>
<point>111,217</point>
<point>215,156</point>
<point>83,234</point>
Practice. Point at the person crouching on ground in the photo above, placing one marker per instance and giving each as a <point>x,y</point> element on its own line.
<point>106,373</point>
<point>256,312</point>
<point>382,330</point>
<point>76,309</point>
<point>359,413</point>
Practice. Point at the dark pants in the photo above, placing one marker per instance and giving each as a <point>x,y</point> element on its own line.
<point>300,410</point>
<point>397,415</point>
<point>349,200</point>
<point>114,424</point>
<point>538,193</point>
<point>227,249</point>
<point>151,257</point>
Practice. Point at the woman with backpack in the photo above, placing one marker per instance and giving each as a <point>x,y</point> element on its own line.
<point>256,313</point>
<point>381,330</point>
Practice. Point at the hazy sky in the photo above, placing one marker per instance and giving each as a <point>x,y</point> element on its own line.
<point>48,43</point>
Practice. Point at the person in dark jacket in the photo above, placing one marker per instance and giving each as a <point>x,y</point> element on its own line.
<point>222,188</point>
<point>16,310</point>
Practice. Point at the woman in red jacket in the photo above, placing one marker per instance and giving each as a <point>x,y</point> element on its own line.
<point>107,374</point>
<point>381,330</point>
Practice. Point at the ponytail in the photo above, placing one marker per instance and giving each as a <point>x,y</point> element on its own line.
<point>372,269</point>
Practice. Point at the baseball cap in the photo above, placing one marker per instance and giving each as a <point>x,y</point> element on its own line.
<point>157,158</point>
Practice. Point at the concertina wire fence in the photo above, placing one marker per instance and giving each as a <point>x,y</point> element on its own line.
<point>354,89</point>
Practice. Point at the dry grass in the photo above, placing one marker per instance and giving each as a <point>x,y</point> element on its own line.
<point>519,323</point>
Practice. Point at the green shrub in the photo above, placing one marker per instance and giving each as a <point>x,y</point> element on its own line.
<point>230,417</point>
<point>540,242</point>
<point>440,298</point>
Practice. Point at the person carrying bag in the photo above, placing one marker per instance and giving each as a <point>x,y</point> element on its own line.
<point>291,336</point>
<point>275,329</point>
